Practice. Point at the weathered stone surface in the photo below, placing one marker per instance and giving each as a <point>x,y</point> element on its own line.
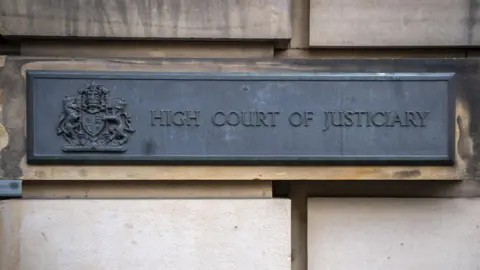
<point>145,189</point>
<point>299,228</point>
<point>206,19</point>
<point>394,23</point>
<point>300,24</point>
<point>353,233</point>
<point>378,53</point>
<point>14,113</point>
<point>146,49</point>
<point>145,234</point>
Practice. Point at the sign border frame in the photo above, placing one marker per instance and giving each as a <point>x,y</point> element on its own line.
<point>118,159</point>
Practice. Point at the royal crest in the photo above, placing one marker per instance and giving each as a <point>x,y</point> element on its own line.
<point>94,122</point>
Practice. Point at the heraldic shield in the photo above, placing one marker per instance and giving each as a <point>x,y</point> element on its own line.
<point>94,122</point>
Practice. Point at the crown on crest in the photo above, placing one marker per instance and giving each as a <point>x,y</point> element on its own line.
<point>93,89</point>
<point>93,97</point>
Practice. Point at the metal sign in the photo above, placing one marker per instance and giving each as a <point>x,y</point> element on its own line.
<point>238,118</point>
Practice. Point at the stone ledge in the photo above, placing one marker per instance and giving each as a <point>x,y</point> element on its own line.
<point>146,189</point>
<point>146,49</point>
<point>145,234</point>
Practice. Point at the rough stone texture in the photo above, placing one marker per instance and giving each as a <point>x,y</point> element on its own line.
<point>441,234</point>
<point>369,53</point>
<point>145,234</point>
<point>299,229</point>
<point>146,49</point>
<point>394,23</point>
<point>184,19</point>
<point>13,165</point>
<point>146,189</point>
<point>300,24</point>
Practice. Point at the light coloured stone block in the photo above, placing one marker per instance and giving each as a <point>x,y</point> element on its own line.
<point>394,234</point>
<point>393,23</point>
<point>159,19</point>
<point>145,234</point>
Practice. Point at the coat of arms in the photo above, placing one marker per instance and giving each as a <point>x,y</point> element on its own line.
<point>94,122</point>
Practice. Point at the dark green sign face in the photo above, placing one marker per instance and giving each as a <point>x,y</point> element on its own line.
<point>189,118</point>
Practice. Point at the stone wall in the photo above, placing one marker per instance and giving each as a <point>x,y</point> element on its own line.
<point>245,35</point>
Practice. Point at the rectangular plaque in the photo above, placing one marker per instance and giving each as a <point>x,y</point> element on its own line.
<point>240,118</point>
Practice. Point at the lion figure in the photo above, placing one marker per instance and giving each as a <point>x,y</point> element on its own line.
<point>70,120</point>
<point>119,124</point>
